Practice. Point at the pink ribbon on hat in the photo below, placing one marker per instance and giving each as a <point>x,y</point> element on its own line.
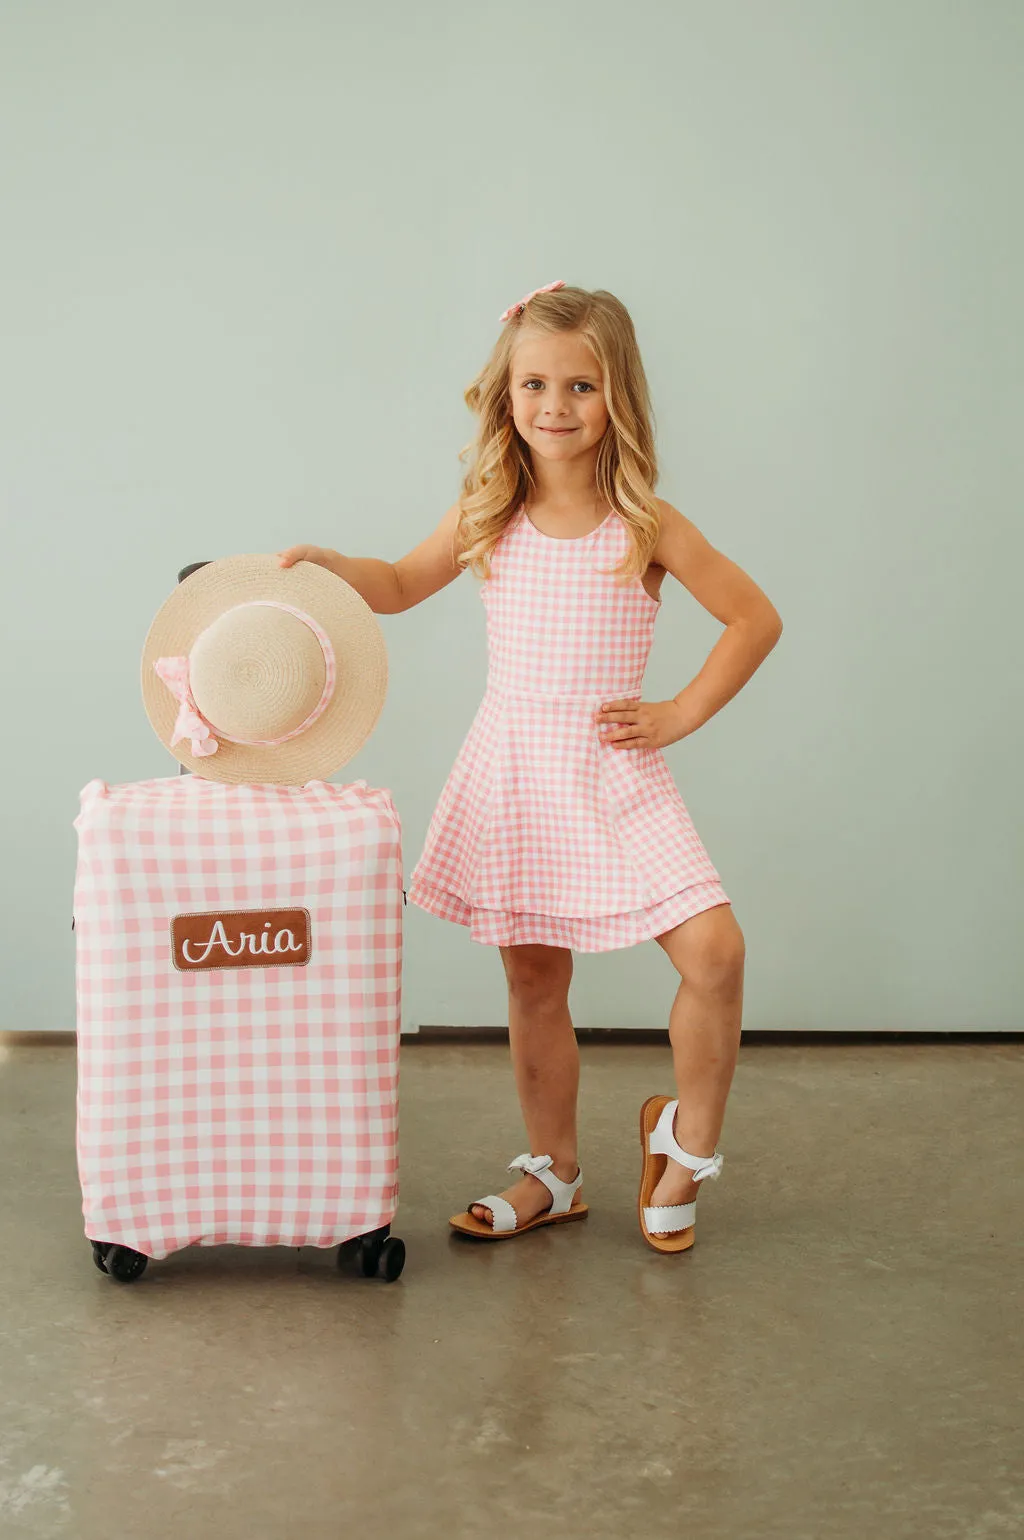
<point>190,723</point>
<point>559,283</point>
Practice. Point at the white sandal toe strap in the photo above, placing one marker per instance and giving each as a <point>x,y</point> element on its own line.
<point>664,1220</point>
<point>503,1215</point>
<point>562,1193</point>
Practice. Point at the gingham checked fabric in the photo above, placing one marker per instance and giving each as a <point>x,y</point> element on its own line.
<point>252,1105</point>
<point>543,832</point>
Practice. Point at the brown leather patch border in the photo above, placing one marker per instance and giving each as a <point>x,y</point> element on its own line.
<point>199,929</point>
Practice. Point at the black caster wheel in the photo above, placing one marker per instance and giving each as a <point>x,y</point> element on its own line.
<point>368,1256</point>
<point>124,1264</point>
<point>392,1259</point>
<point>99,1254</point>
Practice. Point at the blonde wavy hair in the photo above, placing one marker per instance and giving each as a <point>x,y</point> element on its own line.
<point>500,473</point>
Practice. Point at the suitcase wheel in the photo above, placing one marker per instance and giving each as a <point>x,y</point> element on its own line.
<point>377,1255</point>
<point>119,1262</point>
<point>392,1259</point>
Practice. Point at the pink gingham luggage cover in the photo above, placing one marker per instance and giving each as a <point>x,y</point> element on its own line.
<point>253,1104</point>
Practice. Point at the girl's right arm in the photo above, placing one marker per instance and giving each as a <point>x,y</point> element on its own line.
<point>387,587</point>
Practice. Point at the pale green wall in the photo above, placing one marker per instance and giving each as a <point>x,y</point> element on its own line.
<point>252,255</point>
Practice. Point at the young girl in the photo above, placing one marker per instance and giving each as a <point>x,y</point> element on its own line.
<point>560,828</point>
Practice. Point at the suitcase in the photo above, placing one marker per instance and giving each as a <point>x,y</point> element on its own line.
<point>238,982</point>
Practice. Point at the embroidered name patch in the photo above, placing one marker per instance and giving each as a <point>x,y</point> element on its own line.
<point>243,938</point>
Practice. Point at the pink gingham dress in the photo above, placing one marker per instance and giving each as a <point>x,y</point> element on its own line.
<point>544,833</point>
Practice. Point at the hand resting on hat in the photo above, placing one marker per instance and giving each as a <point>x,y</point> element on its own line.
<point>315,553</point>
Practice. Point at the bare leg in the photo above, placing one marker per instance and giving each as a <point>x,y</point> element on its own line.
<point>704,1029</point>
<point>546,1064</point>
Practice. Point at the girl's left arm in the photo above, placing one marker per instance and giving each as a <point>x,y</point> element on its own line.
<point>752,627</point>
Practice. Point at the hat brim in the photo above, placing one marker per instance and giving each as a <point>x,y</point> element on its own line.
<point>359,649</point>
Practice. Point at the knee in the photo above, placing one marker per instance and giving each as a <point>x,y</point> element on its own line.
<point>536,980</point>
<point>716,963</point>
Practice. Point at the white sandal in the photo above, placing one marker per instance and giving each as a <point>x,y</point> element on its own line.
<point>505,1220</point>
<point>675,1222</point>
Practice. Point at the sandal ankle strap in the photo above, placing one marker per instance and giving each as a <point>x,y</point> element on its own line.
<point>663,1142</point>
<point>562,1193</point>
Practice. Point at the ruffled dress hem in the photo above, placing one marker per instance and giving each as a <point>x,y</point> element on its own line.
<point>593,933</point>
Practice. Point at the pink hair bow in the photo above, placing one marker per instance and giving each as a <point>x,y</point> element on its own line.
<point>559,283</point>
<point>189,724</point>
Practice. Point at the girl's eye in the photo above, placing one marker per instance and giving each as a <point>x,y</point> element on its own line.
<point>585,383</point>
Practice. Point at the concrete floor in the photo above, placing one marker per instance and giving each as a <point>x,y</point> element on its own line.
<point>839,1356</point>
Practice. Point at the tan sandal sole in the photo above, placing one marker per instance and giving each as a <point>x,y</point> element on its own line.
<point>469,1224</point>
<point>650,1176</point>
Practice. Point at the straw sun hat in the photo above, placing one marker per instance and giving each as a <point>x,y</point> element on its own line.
<point>253,672</point>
